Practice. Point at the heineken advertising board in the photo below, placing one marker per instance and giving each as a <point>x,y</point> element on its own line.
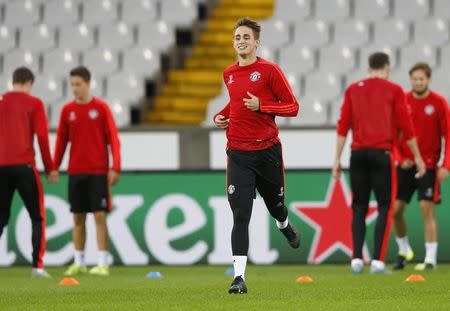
<point>183,218</point>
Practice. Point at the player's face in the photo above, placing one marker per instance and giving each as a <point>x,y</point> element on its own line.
<point>244,41</point>
<point>419,81</point>
<point>80,88</point>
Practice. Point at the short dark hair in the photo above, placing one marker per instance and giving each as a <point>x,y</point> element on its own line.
<point>81,72</point>
<point>22,75</point>
<point>250,23</point>
<point>421,66</point>
<point>378,60</point>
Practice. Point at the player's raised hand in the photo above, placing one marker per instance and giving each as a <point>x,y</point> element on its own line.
<point>442,174</point>
<point>336,170</point>
<point>251,103</point>
<point>221,122</point>
<point>113,177</point>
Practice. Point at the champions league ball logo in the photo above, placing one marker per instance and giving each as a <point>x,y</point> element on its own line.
<point>93,114</point>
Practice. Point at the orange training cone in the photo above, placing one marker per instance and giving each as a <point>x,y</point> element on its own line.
<point>68,281</point>
<point>415,278</point>
<point>304,279</point>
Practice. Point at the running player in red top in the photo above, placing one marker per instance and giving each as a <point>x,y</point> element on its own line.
<point>258,92</point>
<point>374,109</point>
<point>22,116</point>
<point>87,123</point>
<point>430,114</point>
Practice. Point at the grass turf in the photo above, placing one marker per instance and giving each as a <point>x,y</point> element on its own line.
<point>205,288</point>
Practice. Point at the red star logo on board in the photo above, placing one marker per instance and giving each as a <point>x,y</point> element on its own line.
<point>332,222</point>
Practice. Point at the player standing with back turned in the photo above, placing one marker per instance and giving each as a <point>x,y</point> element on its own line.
<point>258,91</point>
<point>375,110</point>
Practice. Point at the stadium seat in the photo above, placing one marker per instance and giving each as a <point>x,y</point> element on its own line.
<point>335,111</point>
<point>101,61</point>
<point>138,11</point>
<point>352,33</point>
<point>157,35</point>
<point>141,61</point>
<point>179,13</point>
<point>127,87</point>
<point>371,10</point>
<point>433,31</point>
<point>61,12</point>
<point>401,77</point>
<point>116,36</point>
<point>267,53</point>
<point>275,34</point>
<point>441,8</point>
<point>411,9</point>
<point>99,12</point>
<point>59,62</point>
<point>440,82</point>
<point>392,32</point>
<point>21,13</point>
<point>312,34</point>
<point>292,11</point>
<point>76,37</point>
<point>297,59</point>
<point>367,50</point>
<point>5,83</point>
<point>7,38</point>
<point>337,58</point>
<point>445,57</point>
<point>313,112</point>
<point>323,85</point>
<point>48,88</point>
<point>411,54</point>
<point>121,112</point>
<point>332,10</point>
<point>356,76</point>
<point>17,58</point>
<point>37,38</point>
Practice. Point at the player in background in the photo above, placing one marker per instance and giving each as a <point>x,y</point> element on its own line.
<point>88,125</point>
<point>259,92</point>
<point>374,109</point>
<point>429,112</point>
<point>22,117</point>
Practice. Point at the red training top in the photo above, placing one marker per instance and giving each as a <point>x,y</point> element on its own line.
<point>375,109</point>
<point>430,117</point>
<point>256,130</point>
<point>90,129</point>
<point>22,116</point>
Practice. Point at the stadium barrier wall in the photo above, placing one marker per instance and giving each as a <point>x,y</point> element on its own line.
<point>183,218</point>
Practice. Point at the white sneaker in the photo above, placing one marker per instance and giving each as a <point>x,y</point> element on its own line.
<point>40,273</point>
<point>357,265</point>
<point>378,267</point>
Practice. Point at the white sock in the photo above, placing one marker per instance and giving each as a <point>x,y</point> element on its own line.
<point>282,224</point>
<point>239,264</point>
<point>378,264</point>
<point>79,258</point>
<point>357,263</point>
<point>403,245</point>
<point>103,258</point>
<point>431,252</point>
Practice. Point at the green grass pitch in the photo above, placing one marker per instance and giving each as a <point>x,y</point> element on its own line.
<point>205,288</point>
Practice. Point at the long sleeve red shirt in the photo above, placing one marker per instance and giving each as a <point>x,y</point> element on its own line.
<point>256,130</point>
<point>21,117</point>
<point>430,116</point>
<point>375,110</point>
<point>90,129</point>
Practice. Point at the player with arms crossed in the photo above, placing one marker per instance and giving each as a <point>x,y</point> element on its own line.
<point>375,110</point>
<point>430,114</point>
<point>87,123</point>
<point>22,116</point>
<point>258,91</point>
